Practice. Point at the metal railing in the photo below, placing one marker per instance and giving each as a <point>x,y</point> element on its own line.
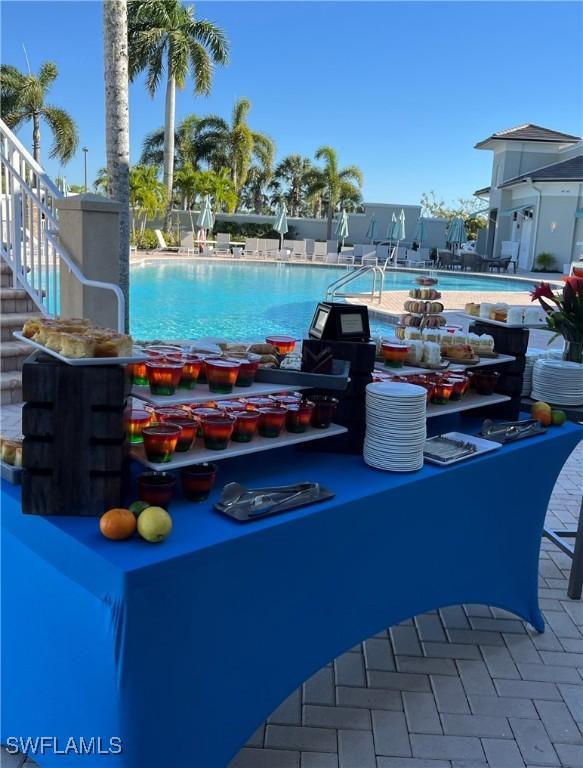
<point>29,230</point>
<point>333,291</point>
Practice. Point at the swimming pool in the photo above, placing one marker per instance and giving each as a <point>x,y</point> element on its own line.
<point>247,300</point>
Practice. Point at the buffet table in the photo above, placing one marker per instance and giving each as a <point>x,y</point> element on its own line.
<point>181,649</point>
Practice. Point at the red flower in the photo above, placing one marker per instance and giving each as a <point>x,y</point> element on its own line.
<point>543,290</point>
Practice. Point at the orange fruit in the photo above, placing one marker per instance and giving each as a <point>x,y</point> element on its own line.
<point>117,524</point>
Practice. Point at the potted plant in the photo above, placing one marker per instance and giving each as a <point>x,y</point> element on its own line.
<point>545,262</point>
<point>564,311</point>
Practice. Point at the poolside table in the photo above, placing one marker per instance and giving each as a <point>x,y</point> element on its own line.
<point>181,649</point>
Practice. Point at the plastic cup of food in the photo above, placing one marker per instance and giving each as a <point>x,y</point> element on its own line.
<point>442,391</point>
<point>217,430</point>
<point>271,421</point>
<point>157,488</point>
<point>190,371</point>
<point>248,370</point>
<point>160,441</point>
<point>138,374</point>
<point>170,412</point>
<point>245,426</point>
<point>394,354</point>
<point>135,420</point>
<point>198,481</point>
<point>283,344</point>
<point>298,416</point>
<point>484,382</point>
<point>324,410</point>
<point>163,376</point>
<point>222,375</point>
<point>189,428</point>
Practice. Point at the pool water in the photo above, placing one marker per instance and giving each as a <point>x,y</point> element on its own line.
<point>245,300</point>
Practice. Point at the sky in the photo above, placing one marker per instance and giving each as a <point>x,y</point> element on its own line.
<point>402,89</point>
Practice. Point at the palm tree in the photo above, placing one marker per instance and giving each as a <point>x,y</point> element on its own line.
<point>294,171</point>
<point>333,183</point>
<point>101,183</point>
<point>219,186</point>
<point>187,182</point>
<point>237,144</point>
<point>147,195</point>
<point>194,143</point>
<point>164,36</point>
<point>252,196</point>
<point>115,44</point>
<point>24,98</point>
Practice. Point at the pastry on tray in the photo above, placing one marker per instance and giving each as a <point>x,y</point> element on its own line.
<point>11,451</point>
<point>77,345</point>
<point>77,338</point>
<point>460,352</point>
<point>472,309</point>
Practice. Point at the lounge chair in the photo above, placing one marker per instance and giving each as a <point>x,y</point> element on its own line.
<point>262,248</point>
<point>271,248</point>
<point>346,258</point>
<point>207,250</point>
<point>418,258</point>
<point>223,244</point>
<point>331,258</point>
<point>370,260</point>
<point>284,254</point>
<point>319,251</point>
<point>299,249</point>
<point>509,250</point>
<point>382,252</point>
<point>310,249</point>
<point>162,243</point>
<point>186,250</point>
<point>251,248</point>
<point>331,246</point>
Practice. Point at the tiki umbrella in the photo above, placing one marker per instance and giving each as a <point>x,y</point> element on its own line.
<point>280,222</point>
<point>419,235</point>
<point>372,228</point>
<point>456,233</point>
<point>205,220</point>
<point>341,229</point>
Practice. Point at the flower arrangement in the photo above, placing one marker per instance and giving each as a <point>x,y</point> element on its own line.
<point>564,311</point>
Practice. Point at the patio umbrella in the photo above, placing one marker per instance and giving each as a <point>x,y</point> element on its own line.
<point>372,228</point>
<point>392,228</point>
<point>281,222</point>
<point>400,232</point>
<point>456,233</point>
<point>205,220</point>
<point>341,229</point>
<point>419,235</point>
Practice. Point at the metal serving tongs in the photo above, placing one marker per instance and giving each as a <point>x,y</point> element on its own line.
<point>508,431</point>
<point>261,501</point>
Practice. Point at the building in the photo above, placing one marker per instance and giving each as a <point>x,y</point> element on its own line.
<point>536,194</point>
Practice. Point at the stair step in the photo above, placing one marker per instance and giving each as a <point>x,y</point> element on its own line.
<point>10,387</point>
<point>16,300</point>
<point>13,321</point>
<point>5,269</point>
<point>5,280</point>
<point>13,293</point>
<point>13,354</point>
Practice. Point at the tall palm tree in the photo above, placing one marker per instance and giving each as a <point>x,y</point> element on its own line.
<point>147,195</point>
<point>334,183</point>
<point>24,98</point>
<point>294,171</point>
<point>253,195</point>
<point>220,187</point>
<point>101,183</point>
<point>237,144</point>
<point>164,36</point>
<point>186,182</point>
<point>115,45</point>
<point>194,143</point>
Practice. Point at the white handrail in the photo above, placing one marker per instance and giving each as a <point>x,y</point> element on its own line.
<point>376,292</point>
<point>29,159</point>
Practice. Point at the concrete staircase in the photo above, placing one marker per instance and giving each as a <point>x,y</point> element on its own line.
<point>15,307</point>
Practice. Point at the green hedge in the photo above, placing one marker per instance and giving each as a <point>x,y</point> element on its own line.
<point>237,230</point>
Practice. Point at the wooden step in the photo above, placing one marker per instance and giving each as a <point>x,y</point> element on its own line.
<point>16,300</point>
<point>10,387</point>
<point>14,321</point>
<point>13,354</point>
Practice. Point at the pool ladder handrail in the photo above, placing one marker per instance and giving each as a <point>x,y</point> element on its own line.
<point>376,292</point>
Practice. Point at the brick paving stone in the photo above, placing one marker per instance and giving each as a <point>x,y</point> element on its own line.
<point>522,648</point>
<point>446,747</point>
<point>533,742</point>
<point>318,760</point>
<point>410,762</point>
<point>475,637</point>
<point>451,651</point>
<point>502,707</point>
<point>294,737</point>
<point>426,666</point>
<point>289,711</point>
<point>562,624</point>
<point>502,753</point>
<point>421,712</point>
<point>570,645</point>
<point>549,673</point>
<point>498,625</point>
<point>349,670</point>
<point>449,695</point>
<point>575,610</point>
<point>398,681</point>
<point>257,737</point>
<point>266,758</point>
<point>430,628</point>
<point>499,662</point>
<point>563,659</point>
<point>369,698</point>
<point>476,725</point>
<point>571,756</point>
<point>378,654</point>
<point>545,641</point>
<point>573,698</point>
<point>390,733</point>
<point>454,617</point>
<point>319,689</point>
<point>405,641</point>
<point>336,717</point>
<point>469,764</point>
<point>356,749</point>
<point>558,722</point>
<point>524,689</point>
<point>476,610</point>
<point>475,677</point>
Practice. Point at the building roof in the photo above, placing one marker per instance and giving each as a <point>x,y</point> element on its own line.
<point>529,132</point>
<point>567,170</point>
<point>482,192</point>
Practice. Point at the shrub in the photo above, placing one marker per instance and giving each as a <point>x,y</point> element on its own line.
<point>251,229</point>
<point>545,262</point>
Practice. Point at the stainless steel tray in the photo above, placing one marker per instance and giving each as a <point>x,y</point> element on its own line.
<point>247,504</point>
<point>338,379</point>
<point>510,431</point>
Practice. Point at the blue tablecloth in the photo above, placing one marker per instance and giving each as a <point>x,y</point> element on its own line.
<point>182,649</point>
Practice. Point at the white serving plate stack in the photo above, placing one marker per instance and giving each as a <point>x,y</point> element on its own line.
<point>559,382</point>
<point>395,426</point>
<point>532,355</point>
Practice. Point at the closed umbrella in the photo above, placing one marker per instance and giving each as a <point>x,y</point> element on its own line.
<point>392,228</point>
<point>456,233</point>
<point>400,232</point>
<point>419,235</point>
<point>205,220</point>
<point>372,228</point>
<point>281,222</point>
<point>341,229</point>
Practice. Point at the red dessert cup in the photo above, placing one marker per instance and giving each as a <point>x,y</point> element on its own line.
<point>198,481</point>
<point>163,376</point>
<point>484,382</point>
<point>271,421</point>
<point>394,354</point>
<point>286,399</point>
<point>156,488</point>
<point>200,413</point>
<point>247,370</point>
<point>222,375</point>
<point>460,386</point>
<point>170,412</point>
<point>217,430</point>
<point>442,391</point>
<point>135,420</point>
<point>190,371</point>
<point>189,429</point>
<point>324,410</point>
<point>283,344</point>
<point>298,416</point>
<point>230,406</point>
<point>245,426</point>
<point>138,374</point>
<point>256,403</point>
<point>160,441</point>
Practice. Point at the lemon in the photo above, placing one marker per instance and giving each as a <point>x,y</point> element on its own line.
<point>154,524</point>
